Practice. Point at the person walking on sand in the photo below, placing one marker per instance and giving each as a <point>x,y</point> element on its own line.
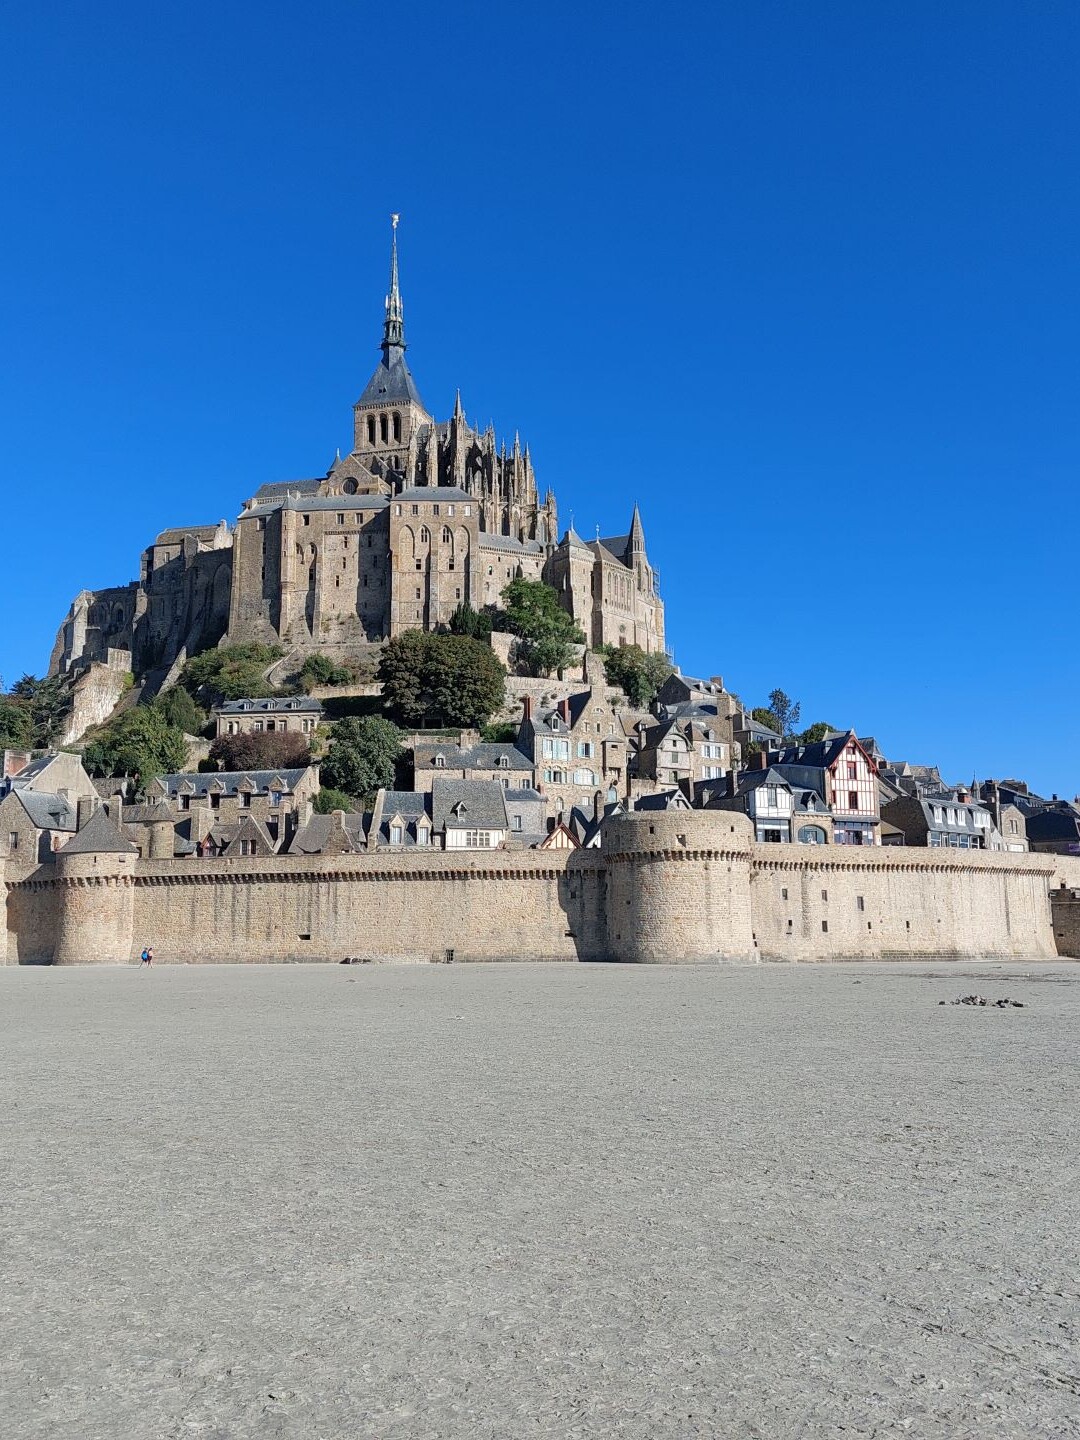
<point>147,956</point>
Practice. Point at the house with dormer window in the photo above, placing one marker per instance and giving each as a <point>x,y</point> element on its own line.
<point>288,714</point>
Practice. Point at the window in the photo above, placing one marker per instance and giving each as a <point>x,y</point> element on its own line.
<point>468,509</point>
<point>446,537</point>
<point>449,509</point>
<point>478,839</point>
<point>395,834</point>
<point>384,429</point>
<point>397,426</point>
<point>415,509</point>
<point>371,429</point>
<point>440,762</point>
<point>307,519</point>
<point>584,777</point>
<point>515,822</point>
<point>825,896</point>
<point>245,800</point>
<point>585,750</point>
<point>258,727</point>
<point>275,797</point>
<point>423,835</point>
<point>341,521</point>
<point>853,799</point>
<point>13,840</point>
<point>1013,827</point>
<point>860,903</point>
<point>852,770</point>
<point>397,511</point>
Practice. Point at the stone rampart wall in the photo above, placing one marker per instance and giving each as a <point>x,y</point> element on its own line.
<point>898,902</point>
<point>667,887</point>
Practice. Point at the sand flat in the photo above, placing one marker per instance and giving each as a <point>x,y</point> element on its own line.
<point>504,1201</point>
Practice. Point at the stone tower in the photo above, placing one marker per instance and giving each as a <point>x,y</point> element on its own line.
<point>95,873</point>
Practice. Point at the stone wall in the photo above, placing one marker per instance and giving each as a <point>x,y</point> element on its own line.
<point>1065,910</point>
<point>667,887</point>
<point>898,902</point>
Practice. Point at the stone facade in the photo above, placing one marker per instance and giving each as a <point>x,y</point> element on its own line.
<point>419,517</point>
<point>667,886</point>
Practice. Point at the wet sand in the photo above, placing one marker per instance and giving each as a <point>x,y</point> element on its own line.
<point>504,1201</point>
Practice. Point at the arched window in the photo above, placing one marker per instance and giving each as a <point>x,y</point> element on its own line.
<point>425,537</point>
<point>371,429</point>
<point>384,433</point>
<point>447,538</point>
<point>811,835</point>
<point>397,426</point>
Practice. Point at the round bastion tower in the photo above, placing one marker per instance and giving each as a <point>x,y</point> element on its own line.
<point>95,873</point>
<point>679,886</point>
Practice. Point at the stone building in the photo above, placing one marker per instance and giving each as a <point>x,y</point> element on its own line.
<point>420,516</point>
<point>281,714</point>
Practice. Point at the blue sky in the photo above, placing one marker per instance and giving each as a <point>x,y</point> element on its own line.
<point>800,279</point>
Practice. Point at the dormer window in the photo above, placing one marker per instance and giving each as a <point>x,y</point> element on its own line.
<point>423,835</point>
<point>440,762</point>
<point>503,762</point>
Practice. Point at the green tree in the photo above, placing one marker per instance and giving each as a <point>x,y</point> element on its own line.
<point>440,680</point>
<point>467,621</point>
<point>814,733</point>
<point>781,715</point>
<point>16,725</point>
<point>231,672</point>
<point>140,742</point>
<point>499,732</point>
<point>639,675</point>
<point>363,755</point>
<point>321,670</point>
<point>327,801</point>
<point>47,702</point>
<point>179,709</point>
<point>764,716</point>
<point>546,633</point>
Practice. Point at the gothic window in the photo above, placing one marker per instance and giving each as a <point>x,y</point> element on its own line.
<point>397,426</point>
<point>384,434</point>
<point>446,536</point>
<point>425,537</point>
<point>350,487</point>
<point>371,429</point>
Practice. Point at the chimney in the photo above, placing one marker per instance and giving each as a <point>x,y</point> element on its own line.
<point>597,806</point>
<point>84,809</point>
<point>526,708</point>
<point>114,808</point>
<point>733,783</point>
<point>564,710</point>
<point>760,761</point>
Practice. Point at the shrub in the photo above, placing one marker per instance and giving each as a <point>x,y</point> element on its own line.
<point>363,755</point>
<point>277,750</point>
<point>440,680</point>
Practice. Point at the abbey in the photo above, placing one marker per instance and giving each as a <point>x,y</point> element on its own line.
<point>419,517</point>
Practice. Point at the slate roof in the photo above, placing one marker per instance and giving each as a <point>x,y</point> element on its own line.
<point>389,383</point>
<point>228,782</point>
<point>99,836</point>
<point>667,800</point>
<point>508,544</point>
<point>281,488</point>
<point>484,756</point>
<point>310,838</point>
<point>47,812</point>
<point>334,502</point>
<point>180,532</point>
<point>277,705</point>
<point>434,493</point>
<point>411,806</point>
<point>482,805</point>
<point>31,771</point>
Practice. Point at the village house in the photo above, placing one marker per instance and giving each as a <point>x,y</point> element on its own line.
<point>841,773</point>
<point>208,801</point>
<point>287,714</point>
<point>499,761</point>
<point>948,820</point>
<point>578,750</point>
<point>40,803</point>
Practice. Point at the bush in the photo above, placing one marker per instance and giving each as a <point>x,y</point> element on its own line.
<point>140,742</point>
<point>46,702</point>
<point>440,680</point>
<point>231,672</point>
<point>474,623</point>
<point>277,750</point>
<point>179,709</point>
<point>637,674</point>
<point>500,732</point>
<point>16,724</point>
<point>321,670</point>
<point>363,755</point>
<point>327,801</point>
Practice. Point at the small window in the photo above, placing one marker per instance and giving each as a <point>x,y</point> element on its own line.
<point>860,902</point>
<point>783,893</point>
<point>307,519</point>
<point>824,927</point>
<point>395,834</point>
<point>825,895</point>
<point>13,840</point>
<point>467,509</point>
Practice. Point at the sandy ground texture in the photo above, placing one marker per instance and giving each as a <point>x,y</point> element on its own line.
<point>511,1201</point>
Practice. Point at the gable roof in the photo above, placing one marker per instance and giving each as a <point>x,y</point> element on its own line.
<point>46,811</point>
<point>468,805</point>
<point>228,782</point>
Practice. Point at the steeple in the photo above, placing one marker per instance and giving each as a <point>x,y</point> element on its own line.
<point>393,341</point>
<point>635,541</point>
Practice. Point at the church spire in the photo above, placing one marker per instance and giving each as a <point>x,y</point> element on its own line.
<point>635,541</point>
<point>393,341</point>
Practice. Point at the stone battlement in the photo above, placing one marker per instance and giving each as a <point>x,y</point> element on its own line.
<point>667,887</point>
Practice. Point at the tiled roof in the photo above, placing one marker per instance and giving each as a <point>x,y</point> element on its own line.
<point>276,705</point>
<point>99,836</point>
<point>434,493</point>
<point>47,812</point>
<point>228,782</point>
<point>468,804</point>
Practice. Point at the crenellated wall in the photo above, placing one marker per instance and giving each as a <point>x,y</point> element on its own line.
<point>668,886</point>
